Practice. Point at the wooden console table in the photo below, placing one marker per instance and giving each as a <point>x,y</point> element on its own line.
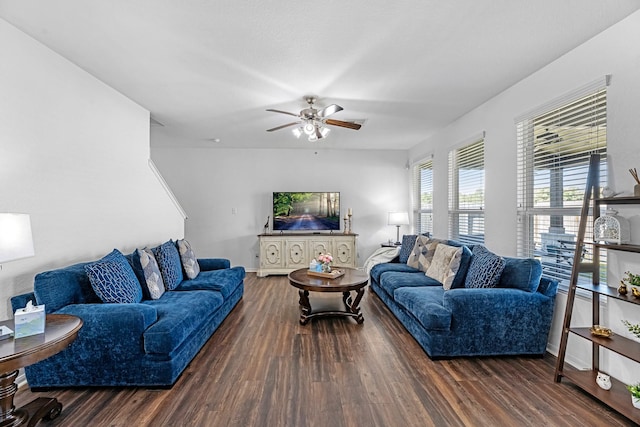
<point>60,331</point>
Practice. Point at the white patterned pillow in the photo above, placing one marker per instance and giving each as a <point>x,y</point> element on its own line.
<point>445,264</point>
<point>152,275</point>
<point>485,269</point>
<point>189,260</point>
<point>423,251</point>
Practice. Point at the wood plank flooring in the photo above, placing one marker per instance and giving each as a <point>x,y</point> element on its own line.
<point>262,368</point>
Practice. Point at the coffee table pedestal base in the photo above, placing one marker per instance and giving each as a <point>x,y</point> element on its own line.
<point>352,307</point>
<point>30,414</point>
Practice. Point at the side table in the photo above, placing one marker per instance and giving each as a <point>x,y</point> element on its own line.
<point>60,330</point>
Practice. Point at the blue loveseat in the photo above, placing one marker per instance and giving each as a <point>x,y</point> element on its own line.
<point>511,318</point>
<point>148,343</point>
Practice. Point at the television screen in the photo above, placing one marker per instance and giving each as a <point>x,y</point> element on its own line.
<point>306,211</point>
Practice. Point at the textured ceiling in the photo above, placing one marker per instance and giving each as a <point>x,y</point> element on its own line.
<point>209,68</point>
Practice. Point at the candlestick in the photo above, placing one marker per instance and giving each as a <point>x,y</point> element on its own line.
<point>349,221</point>
<point>346,230</point>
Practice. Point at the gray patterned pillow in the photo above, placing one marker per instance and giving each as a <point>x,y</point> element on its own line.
<point>485,269</point>
<point>445,264</point>
<point>152,275</point>
<point>423,252</point>
<point>189,260</point>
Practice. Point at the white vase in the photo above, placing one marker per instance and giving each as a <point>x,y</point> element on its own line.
<point>635,401</point>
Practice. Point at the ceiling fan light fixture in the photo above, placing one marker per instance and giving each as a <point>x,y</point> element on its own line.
<point>297,132</point>
<point>309,128</point>
<point>325,131</point>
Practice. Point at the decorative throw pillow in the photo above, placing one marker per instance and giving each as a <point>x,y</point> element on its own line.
<point>485,269</point>
<point>188,258</point>
<point>423,252</point>
<point>408,242</point>
<point>152,275</point>
<point>169,262</point>
<point>114,282</point>
<point>445,264</point>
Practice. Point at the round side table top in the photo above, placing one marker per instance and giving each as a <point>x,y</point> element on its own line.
<point>351,280</point>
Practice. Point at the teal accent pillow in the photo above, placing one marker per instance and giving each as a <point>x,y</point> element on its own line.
<point>485,269</point>
<point>188,259</point>
<point>169,262</point>
<point>113,279</point>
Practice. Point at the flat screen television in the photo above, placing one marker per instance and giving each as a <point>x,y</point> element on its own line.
<point>298,211</point>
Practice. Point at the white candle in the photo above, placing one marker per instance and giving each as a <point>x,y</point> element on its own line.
<point>350,213</point>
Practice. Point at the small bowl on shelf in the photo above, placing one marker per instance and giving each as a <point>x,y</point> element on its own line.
<point>601,331</point>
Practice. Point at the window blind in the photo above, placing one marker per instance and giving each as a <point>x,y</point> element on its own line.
<point>466,193</point>
<point>423,197</point>
<point>554,145</point>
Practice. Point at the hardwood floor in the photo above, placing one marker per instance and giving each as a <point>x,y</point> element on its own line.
<point>262,368</point>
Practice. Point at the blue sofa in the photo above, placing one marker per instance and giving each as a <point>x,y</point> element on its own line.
<point>148,343</point>
<point>512,318</point>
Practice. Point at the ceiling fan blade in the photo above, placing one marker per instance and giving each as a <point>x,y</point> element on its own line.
<point>283,126</point>
<point>329,110</point>
<point>283,112</point>
<point>349,125</point>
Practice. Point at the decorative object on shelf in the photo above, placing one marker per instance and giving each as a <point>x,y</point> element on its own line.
<point>601,331</point>
<point>350,214</point>
<point>325,261</point>
<point>603,380</point>
<point>634,329</point>
<point>631,279</point>
<point>398,219</point>
<point>16,241</point>
<point>266,225</point>
<point>346,226</point>
<point>635,292</point>
<point>636,188</point>
<point>611,228</point>
<point>635,394</point>
<point>622,289</point>
<point>609,193</point>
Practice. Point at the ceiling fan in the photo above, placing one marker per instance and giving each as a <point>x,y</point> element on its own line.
<point>312,122</point>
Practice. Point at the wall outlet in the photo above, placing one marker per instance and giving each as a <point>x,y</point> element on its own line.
<point>234,211</point>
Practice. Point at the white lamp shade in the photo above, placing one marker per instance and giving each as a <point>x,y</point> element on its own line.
<point>16,241</point>
<point>398,218</point>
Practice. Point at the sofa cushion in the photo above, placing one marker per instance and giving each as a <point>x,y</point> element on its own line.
<point>423,252</point>
<point>113,279</point>
<point>425,304</point>
<point>152,276</point>
<point>378,269</point>
<point>465,261</point>
<point>170,266</point>
<point>63,286</point>
<point>485,269</point>
<point>521,273</point>
<point>408,242</point>
<point>392,280</point>
<point>445,264</point>
<point>224,281</point>
<point>180,314</point>
<point>188,259</point>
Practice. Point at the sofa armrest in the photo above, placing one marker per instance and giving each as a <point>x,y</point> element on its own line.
<point>506,311</point>
<point>207,264</point>
<point>20,301</point>
<point>116,327</point>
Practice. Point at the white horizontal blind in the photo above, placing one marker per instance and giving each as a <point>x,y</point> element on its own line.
<point>553,158</point>
<point>423,197</point>
<point>466,193</point>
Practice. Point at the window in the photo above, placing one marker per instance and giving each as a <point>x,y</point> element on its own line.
<point>423,197</point>
<point>554,145</point>
<point>466,193</point>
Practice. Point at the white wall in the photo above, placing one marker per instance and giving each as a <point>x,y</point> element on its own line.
<point>211,182</point>
<point>615,52</point>
<point>73,154</point>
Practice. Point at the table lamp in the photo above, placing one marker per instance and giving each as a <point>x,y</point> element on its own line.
<point>398,219</point>
<point>16,241</point>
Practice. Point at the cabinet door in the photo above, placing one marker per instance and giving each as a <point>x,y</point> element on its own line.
<point>344,252</point>
<point>320,246</point>
<point>271,253</point>
<point>296,251</point>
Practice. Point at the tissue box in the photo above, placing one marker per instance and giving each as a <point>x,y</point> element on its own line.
<point>29,322</point>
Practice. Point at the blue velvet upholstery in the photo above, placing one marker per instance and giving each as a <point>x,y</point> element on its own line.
<point>513,320</point>
<point>170,265</point>
<point>378,269</point>
<point>138,344</point>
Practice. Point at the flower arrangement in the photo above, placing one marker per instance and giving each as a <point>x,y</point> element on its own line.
<point>631,279</point>
<point>634,389</point>
<point>325,259</point>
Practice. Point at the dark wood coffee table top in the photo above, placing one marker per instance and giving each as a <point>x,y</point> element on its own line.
<point>351,280</point>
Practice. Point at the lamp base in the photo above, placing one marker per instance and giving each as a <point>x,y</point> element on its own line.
<point>398,235</point>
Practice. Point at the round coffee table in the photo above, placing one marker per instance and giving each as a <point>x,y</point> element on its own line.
<point>60,330</point>
<point>351,280</point>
